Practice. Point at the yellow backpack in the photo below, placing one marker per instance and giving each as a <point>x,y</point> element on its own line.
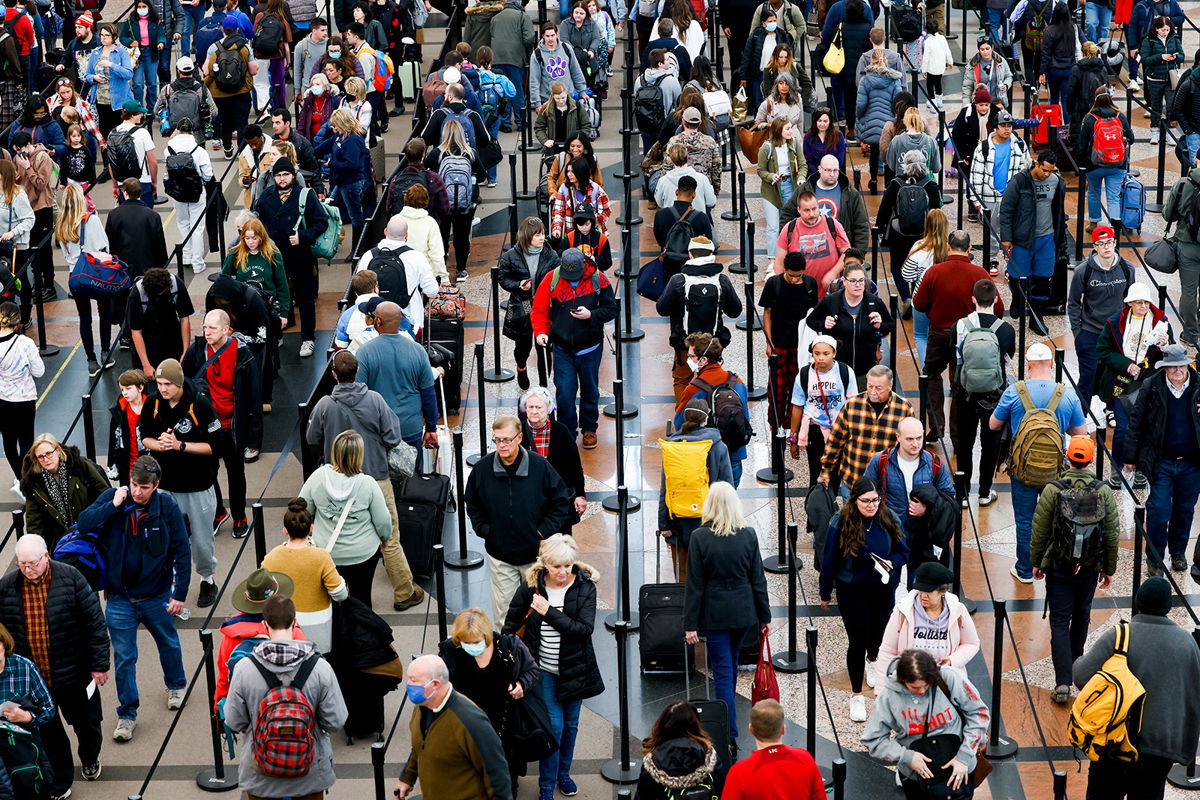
<point>685,470</point>
<point>1109,701</point>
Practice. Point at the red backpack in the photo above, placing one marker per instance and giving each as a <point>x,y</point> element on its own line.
<point>1108,141</point>
<point>284,744</point>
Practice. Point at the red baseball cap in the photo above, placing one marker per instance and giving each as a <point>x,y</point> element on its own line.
<point>1102,232</point>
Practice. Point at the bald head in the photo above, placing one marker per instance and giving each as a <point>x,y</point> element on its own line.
<point>910,436</point>
<point>830,169</point>
<point>31,546</point>
<point>387,318</point>
<point>397,228</point>
<point>216,328</point>
<point>430,673</point>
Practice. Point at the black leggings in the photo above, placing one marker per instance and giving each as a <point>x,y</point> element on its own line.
<point>235,473</point>
<point>933,85</point>
<point>233,112</point>
<point>305,285</point>
<point>360,576</point>
<point>16,427</point>
<point>814,451</point>
<point>874,162</point>
<point>458,226</point>
<point>104,309</point>
<point>865,609</point>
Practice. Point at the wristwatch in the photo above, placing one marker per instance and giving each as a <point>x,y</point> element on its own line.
<point>182,446</point>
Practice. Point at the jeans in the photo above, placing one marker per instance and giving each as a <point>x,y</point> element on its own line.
<point>1111,178</point>
<point>1097,18</point>
<point>351,197</point>
<point>1035,262</point>
<point>1069,598</point>
<point>1172,503</point>
<point>921,332</point>
<point>84,714</point>
<point>193,17</point>
<point>516,105</point>
<point>578,376</point>
<point>145,78</point>
<point>771,215</point>
<point>1085,352</point>
<point>564,719</point>
<point>1189,289</point>
<point>723,647</point>
<point>736,467</point>
<point>995,23</point>
<point>1058,79</point>
<point>1024,500</point>
<point>124,615</point>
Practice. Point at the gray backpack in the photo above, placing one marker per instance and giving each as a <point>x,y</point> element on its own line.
<point>982,370</point>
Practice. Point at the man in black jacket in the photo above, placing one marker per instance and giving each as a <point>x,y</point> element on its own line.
<point>56,622</point>
<point>306,159</point>
<point>1033,231</point>
<point>515,499</point>
<point>250,318</point>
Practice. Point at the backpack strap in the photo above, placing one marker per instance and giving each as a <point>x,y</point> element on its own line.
<point>306,668</point>
<point>1121,641</point>
<point>1023,396</point>
<point>885,456</point>
<point>273,680</point>
<point>1056,398</point>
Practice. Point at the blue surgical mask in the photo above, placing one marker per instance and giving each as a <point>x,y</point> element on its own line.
<point>474,649</point>
<point>771,26</point>
<point>335,53</point>
<point>143,12</point>
<point>318,90</point>
<point>415,692</point>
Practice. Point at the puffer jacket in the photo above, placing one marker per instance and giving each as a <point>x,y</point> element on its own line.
<point>1151,55</point>
<point>513,38</point>
<point>898,635</point>
<point>673,766</point>
<point>1113,360</point>
<point>585,37</point>
<point>876,91</point>
<point>1185,108</point>
<point>1087,75</point>
<point>479,24</point>
<point>983,163</point>
<point>996,75</point>
<point>85,482</point>
<point>1086,133</point>
<point>513,270</point>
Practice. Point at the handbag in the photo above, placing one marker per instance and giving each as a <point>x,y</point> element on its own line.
<point>766,685</point>
<point>740,107</point>
<point>96,276</point>
<point>491,154</point>
<point>528,733</point>
<point>448,304</point>
<point>751,141</point>
<point>1174,76</point>
<point>835,60</point>
<point>940,748</point>
<point>518,317</point>
<point>1163,255</point>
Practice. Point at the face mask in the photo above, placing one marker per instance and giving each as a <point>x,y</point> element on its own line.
<point>143,12</point>
<point>693,365</point>
<point>335,53</point>
<point>416,693</point>
<point>771,26</point>
<point>318,90</point>
<point>474,650</point>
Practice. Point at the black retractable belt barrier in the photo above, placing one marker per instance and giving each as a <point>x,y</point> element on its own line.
<point>1023,289</point>
<point>1139,539</point>
<point>627,410</point>
<point>999,747</point>
<point>472,460</point>
<point>1081,212</point>
<point>622,770</point>
<point>215,779</point>
<point>260,532</point>
<point>893,343</point>
<point>45,350</point>
<point>308,455</point>
<point>464,558</point>
<point>923,400</point>
<point>439,586</point>
<point>735,213</point>
<point>498,373</point>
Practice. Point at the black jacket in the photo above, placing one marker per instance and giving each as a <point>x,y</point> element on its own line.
<point>1019,205</point>
<point>857,338</point>
<point>726,588</point>
<point>578,673</point>
<point>674,765</point>
<point>1087,75</point>
<point>522,669</point>
<point>135,235</point>
<point>512,514</point>
<point>674,300</point>
<point>361,639</point>
<point>120,441</point>
<point>665,219</point>
<point>306,158</point>
<point>1058,46</point>
<point>964,133</point>
<point>563,455</point>
<point>513,270</point>
<point>78,632</point>
<point>280,219</point>
<point>1148,422</point>
<point>1185,108</point>
<point>248,312</point>
<point>933,528</point>
<point>674,46</point>
<point>247,428</point>
<point>85,482</point>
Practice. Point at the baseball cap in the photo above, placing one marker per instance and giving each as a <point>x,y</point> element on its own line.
<point>185,64</point>
<point>1004,118</point>
<point>701,243</point>
<point>691,116</point>
<point>1039,352</point>
<point>133,106</point>
<point>1103,233</point>
<point>1081,449</point>
<point>571,265</point>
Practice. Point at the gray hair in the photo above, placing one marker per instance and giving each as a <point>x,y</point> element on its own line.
<point>880,371</point>
<point>791,84</point>
<point>538,391</point>
<point>244,216</point>
<point>397,228</point>
<point>914,164</point>
<point>32,544</point>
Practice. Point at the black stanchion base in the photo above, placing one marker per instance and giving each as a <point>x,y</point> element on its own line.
<point>755,326</point>
<point>610,622</point>
<point>970,605</point>
<point>499,375</point>
<point>46,350</point>
<point>767,475</point>
<point>634,335</point>
<point>616,772</point>
<point>732,216</point>
<point>473,459</point>
<point>624,176</point>
<point>756,393</point>
<point>1155,208</point>
<point>1178,777</point>
<point>1001,749</point>
<point>208,781</point>
<point>736,267</point>
<point>776,565</point>
<point>466,559</point>
<point>610,411</point>
<point>611,503</point>
<point>621,220</point>
<point>790,663</point>
<point>527,195</point>
<point>530,147</point>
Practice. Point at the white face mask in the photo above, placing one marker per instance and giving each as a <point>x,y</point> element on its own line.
<point>318,90</point>
<point>693,365</point>
<point>142,12</point>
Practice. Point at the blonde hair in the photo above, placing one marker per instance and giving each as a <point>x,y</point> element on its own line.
<point>52,440</point>
<point>936,237</point>
<point>266,248</point>
<point>344,122</point>
<point>1090,50</point>
<point>70,115</point>
<point>558,87</point>
<point>913,121</point>
<point>454,139</point>
<point>346,453</point>
<point>472,625</point>
<point>68,226</point>
<point>722,510</point>
<point>356,86</point>
<point>561,548</point>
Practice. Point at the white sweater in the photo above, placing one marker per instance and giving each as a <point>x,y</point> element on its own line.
<point>19,365</point>
<point>937,58</point>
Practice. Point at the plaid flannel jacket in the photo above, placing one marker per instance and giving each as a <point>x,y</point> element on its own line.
<point>859,434</point>
<point>21,680</point>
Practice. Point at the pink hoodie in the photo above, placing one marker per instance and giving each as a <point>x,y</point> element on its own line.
<point>897,636</point>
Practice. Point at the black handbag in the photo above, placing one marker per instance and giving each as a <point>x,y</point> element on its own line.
<point>940,748</point>
<point>518,317</point>
<point>529,734</point>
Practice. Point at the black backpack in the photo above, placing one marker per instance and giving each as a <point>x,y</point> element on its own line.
<point>268,35</point>
<point>728,413</point>
<point>183,181</point>
<point>912,206</point>
<point>123,155</point>
<point>679,239</point>
<point>700,791</point>
<point>906,22</point>
<point>1078,525</point>
<point>388,266</point>
<point>648,105</point>
<point>405,180</point>
<point>21,754</point>
<point>230,67</point>
<point>1191,214</point>
<point>701,304</point>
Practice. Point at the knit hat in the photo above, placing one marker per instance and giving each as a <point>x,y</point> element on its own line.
<point>701,243</point>
<point>571,264</point>
<point>931,576</point>
<point>1153,597</point>
<point>982,95</point>
<point>171,371</point>
<point>283,165</point>
<point>86,20</point>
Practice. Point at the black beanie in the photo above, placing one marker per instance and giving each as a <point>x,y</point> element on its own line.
<point>1153,597</point>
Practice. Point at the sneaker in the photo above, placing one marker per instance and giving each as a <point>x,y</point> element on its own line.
<point>589,440</point>
<point>1153,135</point>
<point>91,771</point>
<point>1178,563</point>
<point>1195,572</point>
<point>241,528</point>
<point>871,674</point>
<point>228,153</point>
<point>198,268</point>
<point>414,599</point>
<point>1018,575</point>
<point>93,367</point>
<point>546,794</point>
<point>491,184</point>
<point>1061,694</point>
<point>219,519</point>
<point>208,594</point>
<point>1114,481</point>
<point>124,730</point>
<point>16,490</point>
<point>567,786</point>
<point>175,697</point>
<point>973,216</point>
<point>250,455</point>
<point>1110,419</point>
<point>988,499</point>
<point>62,796</point>
<point>266,408</point>
<point>1134,86</point>
<point>462,276</point>
<point>307,348</point>
<point>858,708</point>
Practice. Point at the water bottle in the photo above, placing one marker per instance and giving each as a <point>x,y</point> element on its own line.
<point>164,121</point>
<point>185,614</point>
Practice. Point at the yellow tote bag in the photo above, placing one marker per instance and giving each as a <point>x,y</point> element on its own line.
<point>835,60</point>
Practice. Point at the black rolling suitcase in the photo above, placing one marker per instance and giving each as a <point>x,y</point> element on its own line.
<point>445,339</point>
<point>421,502</point>
<point>660,609</point>
<point>714,718</point>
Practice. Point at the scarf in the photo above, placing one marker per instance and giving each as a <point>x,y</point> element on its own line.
<point>283,654</point>
<point>57,486</point>
<point>1137,337</point>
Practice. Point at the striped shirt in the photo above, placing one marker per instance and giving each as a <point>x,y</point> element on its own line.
<point>551,639</point>
<point>859,433</point>
<point>37,632</point>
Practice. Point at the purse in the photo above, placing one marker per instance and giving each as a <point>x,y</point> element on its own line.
<point>835,60</point>
<point>448,304</point>
<point>940,748</point>
<point>766,685</point>
<point>1163,255</point>
<point>1174,76</point>
<point>751,141</point>
<point>740,107</point>
<point>518,318</point>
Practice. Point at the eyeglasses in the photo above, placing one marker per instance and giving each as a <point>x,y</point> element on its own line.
<point>31,564</point>
<point>505,440</point>
<point>1105,243</point>
<point>855,281</point>
<point>46,455</point>
<point>869,501</point>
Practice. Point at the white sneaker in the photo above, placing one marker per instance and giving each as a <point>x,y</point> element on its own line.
<point>871,674</point>
<point>124,731</point>
<point>858,708</point>
<point>198,268</point>
<point>1134,86</point>
<point>307,348</point>
<point>1154,136</point>
<point>16,490</point>
<point>174,699</point>
<point>1017,575</point>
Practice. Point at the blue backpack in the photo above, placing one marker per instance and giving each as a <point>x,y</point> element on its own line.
<point>208,34</point>
<point>1133,203</point>
<point>83,551</point>
<point>463,118</point>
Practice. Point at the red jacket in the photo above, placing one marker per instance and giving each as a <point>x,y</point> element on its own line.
<point>552,309</point>
<point>234,631</point>
<point>22,29</point>
<point>778,772</point>
<point>947,289</point>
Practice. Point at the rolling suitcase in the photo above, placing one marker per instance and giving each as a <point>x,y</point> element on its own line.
<point>447,336</point>
<point>714,718</point>
<point>421,502</point>
<point>660,609</point>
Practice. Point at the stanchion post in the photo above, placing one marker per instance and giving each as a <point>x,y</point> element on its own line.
<point>44,348</point>
<point>260,532</point>
<point>875,255</point>
<point>613,502</point>
<point>378,753</point>
<point>963,489</point>
<point>622,770</point>
<point>893,340</point>
<point>525,193</point>
<point>778,468</point>
<point>1060,784</point>
<point>623,614</point>
<point>1023,288</point>
<point>497,374</point>
<point>792,660</point>
<point>464,558</point>
<point>735,212</point>
<point>998,747</point>
<point>628,295</point>
<point>179,260</point>
<point>215,779</point>
<point>839,779</point>
<point>472,460</point>
<point>1101,435</point>
<point>439,587</point>
<point>89,428</point>
<point>1164,128</point>
<point>752,392</point>
<point>18,518</point>
<point>778,563</point>
<point>923,401</point>
<point>308,454</point>
<point>746,234</point>
<point>1139,539</point>
<point>1081,213</point>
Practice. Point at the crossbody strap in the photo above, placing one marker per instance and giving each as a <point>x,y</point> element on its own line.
<point>337,529</point>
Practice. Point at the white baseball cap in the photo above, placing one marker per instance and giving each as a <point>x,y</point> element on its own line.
<point>185,64</point>
<point>1039,352</point>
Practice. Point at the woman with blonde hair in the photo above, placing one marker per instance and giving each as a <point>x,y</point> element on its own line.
<point>424,233</point>
<point>556,606</point>
<point>350,517</point>
<point>77,232</point>
<point>914,137</point>
<point>932,248</point>
<point>58,483</point>
<point>364,112</point>
<point>782,169</point>
<point>17,219</point>
<point>457,224</point>
<point>277,150</point>
<point>725,596</point>
<point>255,260</point>
<point>19,365</point>
<point>320,101</point>
<point>349,168</point>
<point>560,119</point>
<point>877,91</point>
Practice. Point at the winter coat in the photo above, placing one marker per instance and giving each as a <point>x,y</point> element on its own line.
<point>1097,293</point>
<point>1185,192</point>
<point>896,488</point>
<point>678,530</point>
<point>673,301</point>
<point>512,34</point>
<point>876,92</point>
<point>675,765</point>
<point>349,159</point>
<point>752,54</point>
<point>308,110</point>
<point>456,755</point>
<point>1058,47</point>
<point>1045,518</point>
<point>513,270</point>
<point>998,79</point>
<point>897,636</point>
<point>246,692</point>
<point>479,24</point>
<point>236,629</point>
<point>726,588</point>
<point>581,38</point>
<point>513,513</point>
<point>131,36</point>
<point>247,427</point>
<point>935,55</point>
<point>425,236</point>
<point>563,455</point>
<point>552,306</point>
<point>85,482</point>
<point>858,340</point>
<point>1151,56</point>
<point>1113,361</point>
<point>579,674</point>
<point>1087,75</point>
<point>522,669</point>
<point>1019,204</point>
<point>120,439</point>
<point>1087,132</point>
<point>983,163</point>
<point>935,528</point>
<point>861,564</point>
<point>578,121</point>
<point>74,619</point>
<point>1185,108</point>
<point>1147,428</point>
<point>788,15</point>
<point>368,522</point>
<point>1144,13</point>
<point>155,561</point>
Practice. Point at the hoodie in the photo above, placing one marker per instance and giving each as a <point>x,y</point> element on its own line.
<point>352,406</point>
<point>368,522</point>
<point>906,141</point>
<point>669,85</point>
<point>1097,292</point>
<point>900,718</point>
<point>546,66</point>
<point>898,635</point>
<point>674,300</point>
<point>673,766</point>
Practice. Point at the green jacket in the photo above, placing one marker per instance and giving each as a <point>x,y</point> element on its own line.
<point>513,38</point>
<point>268,277</point>
<point>1185,192</point>
<point>1046,511</point>
<point>1151,55</point>
<point>479,24</point>
<point>768,166</point>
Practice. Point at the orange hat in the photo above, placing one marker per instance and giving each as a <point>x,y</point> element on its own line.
<point>1081,449</point>
<point>86,20</point>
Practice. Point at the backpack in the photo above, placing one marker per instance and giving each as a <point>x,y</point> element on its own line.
<point>123,155</point>
<point>405,180</point>
<point>388,265</point>
<point>700,791</point>
<point>679,239</point>
<point>207,35</point>
<point>912,206</point>
<point>463,118</point>
<point>183,181</point>
<point>185,104</point>
<point>433,88</point>
<point>819,509</point>
<point>1078,534</point>
<point>982,370</point>
<point>1035,456</point>
<point>81,549</point>
<point>384,72</point>
<point>1191,215</point>
<point>685,476</point>
<point>456,173</point>
<point>284,742</point>
<point>230,67</point>
<point>22,757</point>
<point>701,304</point>
<point>1108,701</point>
<point>491,102</point>
<point>907,24</point>
<point>1035,27</point>
<point>268,36</point>
<point>327,244</point>
<point>1133,203</point>
<point>728,413</point>
<point>648,105</point>
<point>885,456</point>
<point>1108,142</point>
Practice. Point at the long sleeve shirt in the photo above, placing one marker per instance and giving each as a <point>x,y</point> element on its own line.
<point>21,679</point>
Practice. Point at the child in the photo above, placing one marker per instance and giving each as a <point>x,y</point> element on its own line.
<point>608,34</point>
<point>587,238</point>
<point>936,58</point>
<point>78,162</point>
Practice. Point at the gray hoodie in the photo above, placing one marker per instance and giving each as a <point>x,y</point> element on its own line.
<point>368,523</point>
<point>547,67</point>
<point>1097,293</point>
<point>923,142</point>
<point>247,687</point>
<point>670,89</point>
<point>900,717</point>
<point>352,406</point>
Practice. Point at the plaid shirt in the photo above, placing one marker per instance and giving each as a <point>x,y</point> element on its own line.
<point>562,209</point>
<point>86,115</point>
<point>21,680</point>
<point>541,440</point>
<point>860,433</point>
<point>37,632</point>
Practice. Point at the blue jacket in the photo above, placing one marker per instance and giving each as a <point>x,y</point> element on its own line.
<point>895,487</point>
<point>349,160</point>
<point>1144,13</point>
<point>156,555</point>
<point>120,76</point>
<point>876,91</point>
<point>738,386</point>
<point>48,133</point>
